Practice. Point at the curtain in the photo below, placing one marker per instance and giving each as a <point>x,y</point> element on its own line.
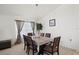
<point>19,28</point>
<point>33,27</point>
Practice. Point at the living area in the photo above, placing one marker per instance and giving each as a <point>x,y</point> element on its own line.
<point>56,19</point>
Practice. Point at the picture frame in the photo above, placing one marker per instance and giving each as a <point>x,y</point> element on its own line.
<point>52,22</point>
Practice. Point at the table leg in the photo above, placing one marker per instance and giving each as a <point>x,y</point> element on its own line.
<point>41,50</point>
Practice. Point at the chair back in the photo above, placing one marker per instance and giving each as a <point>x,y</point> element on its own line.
<point>42,34</point>
<point>25,39</point>
<point>30,34</point>
<point>30,42</point>
<point>56,42</point>
<point>48,35</point>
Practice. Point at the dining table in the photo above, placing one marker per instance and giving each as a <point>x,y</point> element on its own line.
<point>41,41</point>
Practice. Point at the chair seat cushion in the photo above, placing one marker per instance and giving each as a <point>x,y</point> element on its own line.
<point>50,49</point>
<point>34,46</point>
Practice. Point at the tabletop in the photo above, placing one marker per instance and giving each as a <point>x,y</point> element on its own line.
<point>41,41</point>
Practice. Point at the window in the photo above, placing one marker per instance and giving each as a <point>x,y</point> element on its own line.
<point>26,29</point>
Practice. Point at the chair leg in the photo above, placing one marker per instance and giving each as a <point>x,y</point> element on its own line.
<point>52,53</point>
<point>27,51</point>
<point>58,52</point>
<point>24,47</point>
<point>33,52</point>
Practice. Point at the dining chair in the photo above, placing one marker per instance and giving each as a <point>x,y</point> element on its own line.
<point>31,45</point>
<point>54,47</point>
<point>42,34</point>
<point>48,35</point>
<point>30,34</point>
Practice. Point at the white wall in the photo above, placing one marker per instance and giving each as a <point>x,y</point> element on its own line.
<point>67,25</point>
<point>7,28</point>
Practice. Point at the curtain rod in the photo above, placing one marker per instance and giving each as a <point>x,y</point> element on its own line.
<point>23,21</point>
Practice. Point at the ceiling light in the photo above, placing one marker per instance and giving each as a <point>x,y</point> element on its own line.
<point>36,5</point>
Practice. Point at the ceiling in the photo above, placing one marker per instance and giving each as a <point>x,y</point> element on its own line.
<point>27,10</point>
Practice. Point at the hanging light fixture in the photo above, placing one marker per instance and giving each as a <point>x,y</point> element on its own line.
<point>36,5</point>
